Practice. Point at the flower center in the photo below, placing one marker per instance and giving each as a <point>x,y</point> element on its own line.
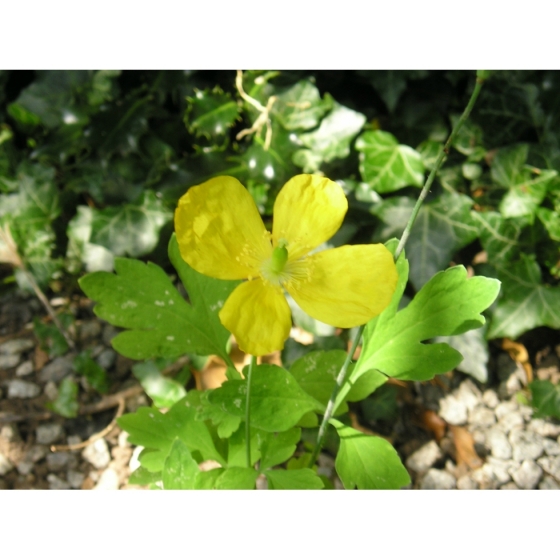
<point>278,260</point>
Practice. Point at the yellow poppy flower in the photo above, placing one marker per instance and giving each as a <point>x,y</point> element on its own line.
<point>221,234</point>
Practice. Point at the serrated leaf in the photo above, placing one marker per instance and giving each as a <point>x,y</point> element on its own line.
<point>387,166</point>
<point>226,423</point>
<point>143,477</point>
<point>130,229</point>
<point>301,107</point>
<point>546,398</point>
<point>277,401</point>
<point>368,462</point>
<point>499,237</point>
<point>165,392</point>
<point>297,479</point>
<point>332,139</point>
<point>525,302</point>
<point>277,447</point>
<point>237,478</point>
<point>211,113</point>
<point>180,470</point>
<point>141,297</point>
<point>449,304</point>
<point>156,431</point>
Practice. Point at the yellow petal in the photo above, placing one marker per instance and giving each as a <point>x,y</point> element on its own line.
<point>347,286</point>
<point>220,231</point>
<point>308,211</point>
<point>259,317</point>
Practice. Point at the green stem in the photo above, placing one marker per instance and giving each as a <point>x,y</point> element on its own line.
<point>340,380</point>
<point>248,412</point>
<point>438,164</point>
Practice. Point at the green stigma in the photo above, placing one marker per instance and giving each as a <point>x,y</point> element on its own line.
<point>279,258</point>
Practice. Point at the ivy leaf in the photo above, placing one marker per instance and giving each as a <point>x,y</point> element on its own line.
<point>163,391</point>
<point>468,140</point>
<point>449,304</point>
<point>297,479</point>
<point>473,347</point>
<point>387,166</point>
<point>156,432</point>
<point>210,113</point>
<point>141,297</point>
<point>301,107</point>
<point>527,186</point>
<point>499,236</point>
<point>546,398</point>
<point>277,401</point>
<point>551,221</point>
<point>368,462</point>
<point>180,470</point>
<point>390,84</point>
<point>332,139</point>
<point>130,229</point>
<point>277,447</point>
<point>441,228</point>
<point>525,302</point>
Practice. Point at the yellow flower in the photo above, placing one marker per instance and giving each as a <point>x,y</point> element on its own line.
<point>221,234</point>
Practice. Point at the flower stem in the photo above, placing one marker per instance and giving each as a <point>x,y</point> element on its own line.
<point>481,77</point>
<point>248,412</point>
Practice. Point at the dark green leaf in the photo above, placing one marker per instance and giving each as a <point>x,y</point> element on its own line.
<point>96,376</point>
<point>546,398</point>
<point>51,340</point>
<point>66,403</point>
<point>525,302</point>
<point>368,462</point>
<point>551,221</point>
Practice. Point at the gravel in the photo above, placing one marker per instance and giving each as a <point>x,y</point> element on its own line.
<point>526,445</point>
<point>25,368</point>
<point>425,457</point>
<point>436,479</point>
<point>5,465</point>
<point>8,361</point>
<point>49,433</point>
<point>453,410</point>
<point>20,389</point>
<point>16,346</point>
<point>498,443</point>
<point>97,454</point>
<point>527,476</point>
<point>57,370</point>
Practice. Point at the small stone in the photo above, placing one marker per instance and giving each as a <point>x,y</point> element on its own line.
<point>469,394</point>
<point>57,370</point>
<point>56,483</point>
<point>8,361</point>
<point>551,466</point>
<point>499,469</point>
<point>35,453</point>
<point>90,329</point>
<point>548,483</point>
<point>509,486</point>
<point>49,433</point>
<point>109,332</point>
<point>485,478</point>
<point>511,386</point>
<point>482,417</point>
<point>498,443</point>
<point>25,368</point>
<point>423,458</point>
<point>97,454</point>
<point>123,440</point>
<point>466,483</point>
<point>20,389</point>
<point>109,480</point>
<point>73,440</point>
<point>5,465</point>
<point>511,421</point>
<point>551,447</point>
<point>25,467</point>
<point>436,479</point>
<point>325,465</point>
<point>526,445</point>
<point>505,408</point>
<point>16,346</point>
<point>453,411</point>
<point>526,412</point>
<point>107,358</point>
<point>544,428</point>
<point>527,476</point>
<point>490,398</point>
<point>10,432</point>
<point>51,390</point>
<point>60,460</point>
<point>75,479</point>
